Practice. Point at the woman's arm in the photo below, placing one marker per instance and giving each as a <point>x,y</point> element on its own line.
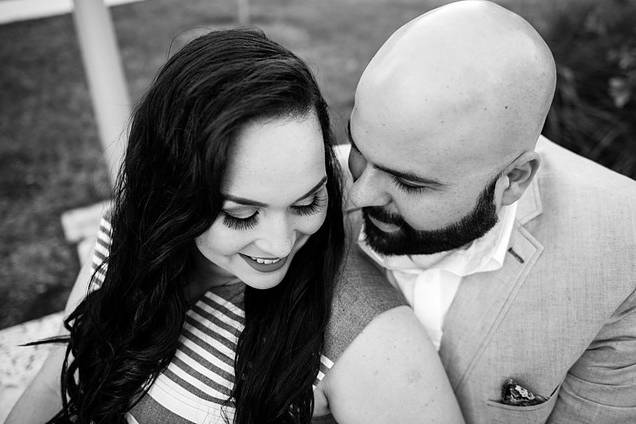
<point>42,399</point>
<point>391,373</point>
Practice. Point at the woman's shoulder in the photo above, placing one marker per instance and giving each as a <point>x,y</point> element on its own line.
<point>390,370</point>
<point>361,294</point>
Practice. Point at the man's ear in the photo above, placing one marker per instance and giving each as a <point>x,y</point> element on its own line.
<point>520,174</point>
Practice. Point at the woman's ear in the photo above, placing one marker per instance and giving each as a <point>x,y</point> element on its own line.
<point>520,174</point>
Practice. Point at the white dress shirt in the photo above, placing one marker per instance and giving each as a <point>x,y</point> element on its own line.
<point>429,282</point>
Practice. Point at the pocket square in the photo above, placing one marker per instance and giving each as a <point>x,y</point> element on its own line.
<point>515,394</point>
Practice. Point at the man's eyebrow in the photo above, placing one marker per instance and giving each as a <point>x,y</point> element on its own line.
<point>402,175</point>
<point>250,202</point>
<point>409,177</point>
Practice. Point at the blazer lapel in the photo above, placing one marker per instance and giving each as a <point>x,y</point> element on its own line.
<point>483,299</point>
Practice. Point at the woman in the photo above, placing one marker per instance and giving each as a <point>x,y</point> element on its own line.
<point>218,292</point>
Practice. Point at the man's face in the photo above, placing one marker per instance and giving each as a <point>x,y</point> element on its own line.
<point>413,202</point>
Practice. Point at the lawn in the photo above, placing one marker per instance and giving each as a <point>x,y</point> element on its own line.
<point>50,159</point>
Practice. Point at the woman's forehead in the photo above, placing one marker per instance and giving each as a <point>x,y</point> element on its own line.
<point>276,160</point>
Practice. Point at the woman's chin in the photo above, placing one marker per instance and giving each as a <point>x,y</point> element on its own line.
<point>264,280</point>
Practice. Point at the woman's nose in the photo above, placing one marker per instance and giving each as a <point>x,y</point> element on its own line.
<point>277,237</point>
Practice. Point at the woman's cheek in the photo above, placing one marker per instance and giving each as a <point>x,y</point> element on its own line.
<point>221,240</point>
<point>313,223</point>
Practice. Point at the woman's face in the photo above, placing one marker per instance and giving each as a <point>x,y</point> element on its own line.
<point>275,199</point>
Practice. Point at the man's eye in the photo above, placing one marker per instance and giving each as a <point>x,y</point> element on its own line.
<point>408,188</point>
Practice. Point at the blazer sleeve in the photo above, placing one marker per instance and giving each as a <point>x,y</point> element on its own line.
<point>601,386</point>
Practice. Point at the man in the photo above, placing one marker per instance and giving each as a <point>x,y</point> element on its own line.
<point>518,256</point>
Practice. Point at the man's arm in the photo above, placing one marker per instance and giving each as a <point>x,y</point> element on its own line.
<point>601,386</point>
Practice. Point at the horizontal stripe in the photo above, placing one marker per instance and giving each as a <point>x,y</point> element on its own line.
<point>100,277</point>
<point>203,372</point>
<point>105,225</point>
<point>208,313</point>
<point>99,260</point>
<point>104,234</point>
<point>213,358</point>
<point>223,345</point>
<point>102,251</point>
<point>211,327</point>
<point>239,314</point>
<point>195,387</point>
<point>195,377</point>
<point>104,238</point>
<point>229,352</point>
<point>177,399</point>
<point>326,361</point>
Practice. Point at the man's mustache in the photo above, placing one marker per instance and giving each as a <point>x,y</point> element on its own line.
<point>382,215</point>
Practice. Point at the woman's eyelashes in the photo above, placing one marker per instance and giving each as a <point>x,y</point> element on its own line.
<point>247,223</point>
<point>239,223</point>
<point>317,204</point>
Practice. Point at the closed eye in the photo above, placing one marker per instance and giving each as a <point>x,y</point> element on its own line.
<point>407,187</point>
<point>236,223</point>
<point>317,204</point>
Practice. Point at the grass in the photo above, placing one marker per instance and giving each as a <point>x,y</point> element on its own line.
<point>50,158</point>
<point>594,109</point>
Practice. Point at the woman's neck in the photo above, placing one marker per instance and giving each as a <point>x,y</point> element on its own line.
<point>206,275</point>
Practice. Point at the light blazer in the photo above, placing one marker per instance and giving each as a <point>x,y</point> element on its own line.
<point>560,315</point>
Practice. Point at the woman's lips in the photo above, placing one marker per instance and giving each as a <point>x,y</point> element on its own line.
<point>264,264</point>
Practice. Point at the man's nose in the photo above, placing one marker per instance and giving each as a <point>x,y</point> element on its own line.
<point>366,191</point>
<point>277,237</point>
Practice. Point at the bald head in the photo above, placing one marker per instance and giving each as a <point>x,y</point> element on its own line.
<point>469,82</point>
<point>445,121</point>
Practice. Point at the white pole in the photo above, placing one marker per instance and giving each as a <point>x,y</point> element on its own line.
<point>105,76</point>
<point>243,12</point>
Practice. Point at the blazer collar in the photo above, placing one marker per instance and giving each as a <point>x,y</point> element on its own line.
<point>482,299</point>
<point>530,206</point>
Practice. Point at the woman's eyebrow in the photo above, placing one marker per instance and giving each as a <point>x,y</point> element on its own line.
<point>313,189</point>
<point>250,202</point>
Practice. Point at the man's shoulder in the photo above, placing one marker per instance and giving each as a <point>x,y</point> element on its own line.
<point>572,173</point>
<point>584,221</point>
<point>579,193</point>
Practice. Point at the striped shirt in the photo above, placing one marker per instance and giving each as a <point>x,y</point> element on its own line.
<point>196,385</point>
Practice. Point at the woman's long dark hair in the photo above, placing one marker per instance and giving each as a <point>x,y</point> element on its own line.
<point>168,192</point>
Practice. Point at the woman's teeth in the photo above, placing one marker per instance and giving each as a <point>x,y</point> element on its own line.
<point>265,261</point>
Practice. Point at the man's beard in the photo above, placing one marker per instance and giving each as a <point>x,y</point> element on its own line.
<point>408,241</point>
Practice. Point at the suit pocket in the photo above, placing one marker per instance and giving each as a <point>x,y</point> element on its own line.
<point>499,413</point>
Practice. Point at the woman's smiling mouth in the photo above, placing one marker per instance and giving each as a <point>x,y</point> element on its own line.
<point>264,264</point>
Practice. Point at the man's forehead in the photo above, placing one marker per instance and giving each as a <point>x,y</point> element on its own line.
<point>397,162</point>
<point>466,80</point>
<point>403,147</point>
